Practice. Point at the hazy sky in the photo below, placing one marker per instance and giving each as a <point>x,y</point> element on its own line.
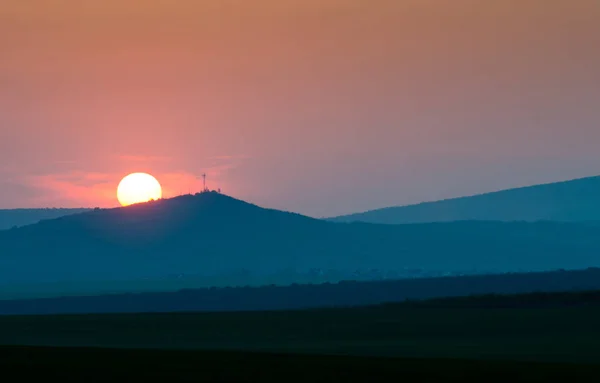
<point>320,107</point>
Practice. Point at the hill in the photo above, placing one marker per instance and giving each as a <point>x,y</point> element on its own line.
<point>215,240</point>
<point>20,217</point>
<point>569,201</point>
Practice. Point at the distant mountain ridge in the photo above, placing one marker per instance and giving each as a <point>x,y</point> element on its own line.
<point>10,218</point>
<point>568,201</point>
<point>223,241</point>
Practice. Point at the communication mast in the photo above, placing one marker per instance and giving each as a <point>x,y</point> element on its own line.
<point>204,182</point>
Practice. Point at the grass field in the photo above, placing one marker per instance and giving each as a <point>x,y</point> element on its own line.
<point>551,334</point>
<point>93,365</point>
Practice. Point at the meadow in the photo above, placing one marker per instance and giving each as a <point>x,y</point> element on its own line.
<point>537,328</point>
<point>93,365</point>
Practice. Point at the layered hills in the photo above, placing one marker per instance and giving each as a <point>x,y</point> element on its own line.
<point>215,240</point>
<point>10,218</point>
<point>569,201</point>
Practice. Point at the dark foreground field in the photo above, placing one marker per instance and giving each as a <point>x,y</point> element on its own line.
<point>86,365</point>
<point>537,328</point>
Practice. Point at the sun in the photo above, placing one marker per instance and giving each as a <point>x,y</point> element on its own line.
<point>137,188</point>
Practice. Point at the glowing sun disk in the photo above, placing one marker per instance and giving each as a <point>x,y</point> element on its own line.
<point>137,188</point>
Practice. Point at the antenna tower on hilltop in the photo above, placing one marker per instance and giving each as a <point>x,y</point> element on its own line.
<point>204,189</point>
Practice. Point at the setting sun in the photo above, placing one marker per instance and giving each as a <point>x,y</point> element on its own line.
<point>137,188</point>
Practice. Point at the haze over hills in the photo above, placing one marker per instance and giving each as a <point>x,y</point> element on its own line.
<point>10,218</point>
<point>304,296</point>
<point>214,240</point>
<point>569,201</point>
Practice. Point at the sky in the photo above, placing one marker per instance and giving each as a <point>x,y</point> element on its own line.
<point>318,107</point>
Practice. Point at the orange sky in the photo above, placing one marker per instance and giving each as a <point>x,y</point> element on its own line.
<point>321,107</point>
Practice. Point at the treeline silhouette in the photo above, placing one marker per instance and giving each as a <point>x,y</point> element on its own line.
<point>342,294</point>
<point>526,300</point>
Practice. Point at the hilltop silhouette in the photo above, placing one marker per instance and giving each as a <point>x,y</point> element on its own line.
<point>214,240</point>
<point>568,201</point>
<point>20,217</point>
